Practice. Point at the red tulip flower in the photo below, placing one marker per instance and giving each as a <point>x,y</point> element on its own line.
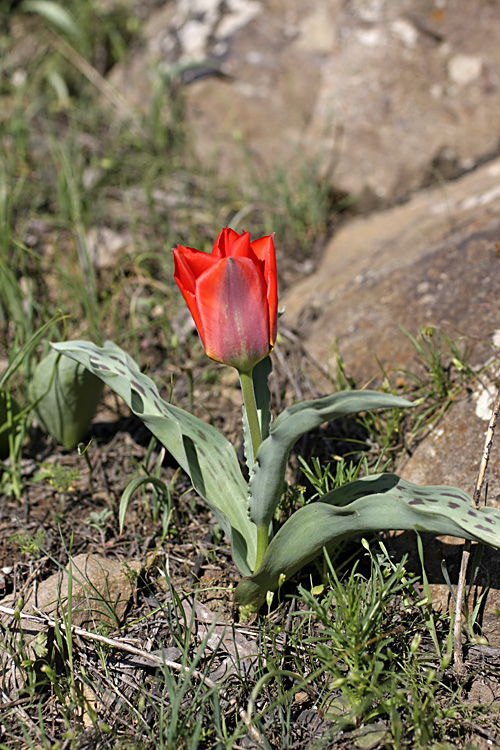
<point>233,297</point>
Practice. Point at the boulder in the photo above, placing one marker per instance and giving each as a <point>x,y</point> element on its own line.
<point>433,261</point>
<point>393,92</point>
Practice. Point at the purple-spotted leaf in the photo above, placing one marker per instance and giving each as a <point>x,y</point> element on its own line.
<point>205,455</point>
<point>381,502</point>
<point>268,478</point>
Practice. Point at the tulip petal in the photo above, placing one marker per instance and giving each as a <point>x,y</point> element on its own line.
<point>265,252</point>
<point>232,305</point>
<point>224,243</point>
<point>242,247</point>
<point>189,264</point>
<point>230,244</point>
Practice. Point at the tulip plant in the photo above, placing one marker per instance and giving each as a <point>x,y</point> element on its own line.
<point>232,296</point>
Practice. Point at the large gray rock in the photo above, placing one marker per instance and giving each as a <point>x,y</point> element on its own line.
<point>394,91</point>
<point>434,261</point>
<point>431,261</point>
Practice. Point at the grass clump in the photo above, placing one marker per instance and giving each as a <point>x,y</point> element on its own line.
<point>369,647</point>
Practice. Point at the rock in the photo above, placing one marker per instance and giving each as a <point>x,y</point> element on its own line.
<point>239,653</point>
<point>460,433</point>
<point>105,247</point>
<point>451,454</point>
<point>431,262</point>
<point>446,553</point>
<point>100,592</point>
<point>393,91</point>
<point>101,589</point>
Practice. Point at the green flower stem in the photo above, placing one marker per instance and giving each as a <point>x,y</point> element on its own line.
<point>251,409</point>
<point>256,437</point>
<point>262,541</point>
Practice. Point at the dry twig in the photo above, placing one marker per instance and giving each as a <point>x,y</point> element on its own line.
<point>154,659</point>
<point>113,642</point>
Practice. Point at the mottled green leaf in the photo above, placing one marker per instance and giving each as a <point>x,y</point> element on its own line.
<point>66,396</point>
<point>204,454</point>
<point>267,481</point>
<point>378,503</point>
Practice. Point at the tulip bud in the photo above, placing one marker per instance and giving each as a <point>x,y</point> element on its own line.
<point>233,297</point>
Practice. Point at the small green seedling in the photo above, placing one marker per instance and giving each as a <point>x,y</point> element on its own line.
<point>67,396</point>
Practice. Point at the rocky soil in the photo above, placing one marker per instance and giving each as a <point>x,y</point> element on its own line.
<point>397,102</point>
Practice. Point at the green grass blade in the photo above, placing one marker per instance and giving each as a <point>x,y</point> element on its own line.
<point>25,350</point>
<point>54,13</point>
<point>131,488</point>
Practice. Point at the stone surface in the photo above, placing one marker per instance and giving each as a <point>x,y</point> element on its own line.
<point>452,452</point>
<point>432,261</point>
<point>446,553</point>
<point>105,247</point>
<point>100,592</point>
<point>101,589</point>
<point>393,91</point>
<point>428,262</point>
